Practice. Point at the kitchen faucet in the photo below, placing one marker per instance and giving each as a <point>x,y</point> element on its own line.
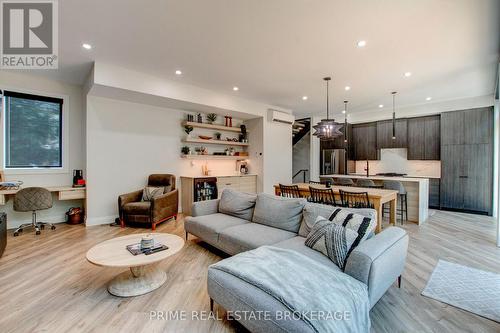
<point>367,169</point>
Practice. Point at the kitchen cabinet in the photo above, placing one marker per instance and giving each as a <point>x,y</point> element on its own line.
<point>434,184</point>
<point>384,134</point>
<point>339,142</point>
<point>364,139</point>
<point>424,138</point>
<point>467,160</point>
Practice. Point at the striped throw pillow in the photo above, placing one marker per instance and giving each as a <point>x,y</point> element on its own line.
<point>331,239</point>
<point>362,225</point>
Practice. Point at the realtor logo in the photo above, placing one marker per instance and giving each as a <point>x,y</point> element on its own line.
<point>29,34</point>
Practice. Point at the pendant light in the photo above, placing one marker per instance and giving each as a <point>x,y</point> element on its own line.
<point>394,114</point>
<point>327,128</point>
<point>345,121</point>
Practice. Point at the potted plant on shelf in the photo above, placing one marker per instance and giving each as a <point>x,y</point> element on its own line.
<point>211,117</point>
<point>186,150</point>
<point>188,129</point>
<point>217,135</point>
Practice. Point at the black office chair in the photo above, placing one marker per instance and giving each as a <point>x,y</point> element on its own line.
<point>355,199</point>
<point>33,199</point>
<point>290,191</point>
<point>322,196</point>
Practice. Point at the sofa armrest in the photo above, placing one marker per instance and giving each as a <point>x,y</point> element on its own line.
<point>205,207</point>
<point>165,205</point>
<point>127,198</point>
<point>379,261</point>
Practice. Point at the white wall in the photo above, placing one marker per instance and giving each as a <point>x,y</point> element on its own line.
<point>394,160</point>
<point>74,141</point>
<point>301,156</point>
<point>125,143</point>
<point>255,128</point>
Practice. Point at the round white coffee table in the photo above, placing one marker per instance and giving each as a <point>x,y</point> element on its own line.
<point>144,275</point>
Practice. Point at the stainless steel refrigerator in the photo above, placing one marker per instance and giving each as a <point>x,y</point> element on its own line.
<point>335,161</point>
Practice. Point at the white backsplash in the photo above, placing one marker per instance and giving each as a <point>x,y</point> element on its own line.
<point>394,160</point>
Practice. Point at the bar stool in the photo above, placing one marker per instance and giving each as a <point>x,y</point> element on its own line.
<point>344,182</point>
<point>402,196</point>
<point>361,182</point>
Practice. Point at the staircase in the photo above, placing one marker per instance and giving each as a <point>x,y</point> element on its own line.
<point>299,129</point>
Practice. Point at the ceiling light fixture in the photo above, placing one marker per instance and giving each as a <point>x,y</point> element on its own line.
<point>236,88</point>
<point>362,43</point>
<point>347,88</point>
<point>87,46</point>
<point>178,72</point>
<point>394,115</point>
<point>304,98</point>
<point>381,106</point>
<point>345,121</point>
<point>327,128</point>
<point>407,74</point>
<point>428,98</point>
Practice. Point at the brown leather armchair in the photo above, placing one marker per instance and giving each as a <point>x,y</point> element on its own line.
<point>162,208</point>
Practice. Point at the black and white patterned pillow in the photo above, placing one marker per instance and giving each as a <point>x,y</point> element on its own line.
<point>362,225</point>
<point>331,239</point>
<point>151,192</point>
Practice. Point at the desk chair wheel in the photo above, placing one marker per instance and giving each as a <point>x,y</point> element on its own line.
<point>16,234</point>
<point>37,232</point>
<point>42,227</point>
<point>53,227</point>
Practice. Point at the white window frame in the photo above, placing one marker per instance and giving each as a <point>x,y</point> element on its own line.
<point>64,135</point>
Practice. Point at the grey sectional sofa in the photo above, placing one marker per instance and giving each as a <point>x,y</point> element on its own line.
<point>377,262</point>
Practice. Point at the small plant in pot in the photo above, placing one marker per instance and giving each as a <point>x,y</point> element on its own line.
<point>217,135</point>
<point>188,129</point>
<point>211,117</point>
<point>186,150</point>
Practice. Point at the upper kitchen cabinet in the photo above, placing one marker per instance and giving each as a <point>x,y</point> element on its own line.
<point>364,140</point>
<point>424,138</point>
<point>467,127</point>
<point>384,134</point>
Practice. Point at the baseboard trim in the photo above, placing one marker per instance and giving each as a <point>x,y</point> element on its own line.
<point>100,220</point>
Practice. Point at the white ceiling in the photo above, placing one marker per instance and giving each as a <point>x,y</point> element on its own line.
<point>276,51</point>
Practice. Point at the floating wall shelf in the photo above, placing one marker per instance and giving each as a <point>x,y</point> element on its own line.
<point>216,142</point>
<point>210,126</point>
<point>214,157</point>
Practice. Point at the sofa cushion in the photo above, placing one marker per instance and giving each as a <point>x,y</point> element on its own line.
<point>250,236</point>
<point>238,204</point>
<point>361,224</point>
<point>208,227</point>
<point>279,212</point>
<point>331,239</point>
<point>313,210</point>
<point>298,244</point>
<point>137,208</point>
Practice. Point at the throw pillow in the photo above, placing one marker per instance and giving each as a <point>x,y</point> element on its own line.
<point>279,212</point>
<point>331,239</point>
<point>167,189</point>
<point>362,225</point>
<point>151,192</point>
<point>237,204</point>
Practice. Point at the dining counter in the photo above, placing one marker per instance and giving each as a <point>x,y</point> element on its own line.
<point>417,190</point>
<point>378,197</point>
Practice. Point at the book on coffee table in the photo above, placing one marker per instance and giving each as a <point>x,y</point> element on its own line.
<point>136,249</point>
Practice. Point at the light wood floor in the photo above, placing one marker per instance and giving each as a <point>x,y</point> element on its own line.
<point>46,285</point>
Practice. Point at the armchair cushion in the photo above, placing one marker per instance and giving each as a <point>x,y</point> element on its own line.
<point>137,208</point>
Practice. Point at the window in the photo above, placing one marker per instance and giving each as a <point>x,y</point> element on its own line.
<point>33,131</point>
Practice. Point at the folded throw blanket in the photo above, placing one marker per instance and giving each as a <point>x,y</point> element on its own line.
<point>326,299</point>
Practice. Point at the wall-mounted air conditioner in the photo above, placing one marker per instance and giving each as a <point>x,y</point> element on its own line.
<point>281,117</point>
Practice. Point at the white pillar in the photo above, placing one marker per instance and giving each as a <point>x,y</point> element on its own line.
<point>314,153</point>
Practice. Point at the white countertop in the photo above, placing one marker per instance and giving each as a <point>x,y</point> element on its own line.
<point>401,179</point>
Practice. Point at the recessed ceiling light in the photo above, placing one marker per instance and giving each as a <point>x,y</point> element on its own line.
<point>347,88</point>
<point>381,105</point>
<point>407,74</point>
<point>304,98</point>
<point>362,43</point>
<point>178,72</point>
<point>86,46</point>
<point>343,111</point>
<point>428,98</point>
<point>236,88</point>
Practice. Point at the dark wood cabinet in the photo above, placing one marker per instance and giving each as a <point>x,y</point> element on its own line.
<point>424,138</point>
<point>384,134</point>
<point>340,143</point>
<point>434,200</point>
<point>467,160</point>
<point>364,139</point>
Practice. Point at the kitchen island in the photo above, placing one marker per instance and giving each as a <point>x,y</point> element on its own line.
<point>417,192</point>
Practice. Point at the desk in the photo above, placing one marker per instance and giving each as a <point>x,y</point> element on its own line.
<point>377,196</point>
<point>64,193</point>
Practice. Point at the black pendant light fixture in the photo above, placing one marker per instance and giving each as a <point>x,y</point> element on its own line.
<point>327,128</point>
<point>345,121</point>
<point>394,114</point>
